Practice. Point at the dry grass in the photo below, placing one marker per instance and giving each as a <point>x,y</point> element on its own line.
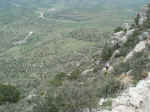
<point>126,80</point>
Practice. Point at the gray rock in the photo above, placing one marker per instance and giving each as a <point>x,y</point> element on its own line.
<point>123,108</point>
<point>121,37</point>
<point>87,71</point>
<point>134,99</point>
<point>126,26</point>
<point>138,48</point>
<point>118,34</point>
<point>127,35</point>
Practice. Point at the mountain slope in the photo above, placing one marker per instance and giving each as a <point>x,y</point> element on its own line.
<point>119,66</point>
<point>67,39</point>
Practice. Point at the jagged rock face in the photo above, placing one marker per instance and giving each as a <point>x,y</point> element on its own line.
<point>138,48</point>
<point>126,26</point>
<point>135,99</point>
<point>121,37</point>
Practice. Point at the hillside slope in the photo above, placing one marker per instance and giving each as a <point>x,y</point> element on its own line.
<point>69,72</point>
<point>115,70</point>
<point>135,99</point>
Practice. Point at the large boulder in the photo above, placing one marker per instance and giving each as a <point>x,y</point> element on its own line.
<point>122,108</point>
<point>121,37</point>
<point>138,48</point>
<point>134,99</point>
<point>126,26</point>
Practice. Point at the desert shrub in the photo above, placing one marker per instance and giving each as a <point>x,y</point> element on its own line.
<point>118,29</point>
<point>146,24</point>
<point>58,79</point>
<point>75,74</point>
<point>138,64</point>
<point>136,33</point>
<point>107,104</point>
<point>71,97</point>
<point>9,93</point>
<point>110,88</point>
<point>107,51</point>
<point>121,68</point>
<point>61,77</point>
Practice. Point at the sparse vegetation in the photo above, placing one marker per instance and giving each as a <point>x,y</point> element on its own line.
<point>64,39</point>
<point>111,87</point>
<point>69,97</point>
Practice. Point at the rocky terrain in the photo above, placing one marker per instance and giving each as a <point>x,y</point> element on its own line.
<point>134,99</point>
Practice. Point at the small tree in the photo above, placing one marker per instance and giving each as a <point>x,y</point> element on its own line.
<point>118,29</point>
<point>107,52</point>
<point>136,20</point>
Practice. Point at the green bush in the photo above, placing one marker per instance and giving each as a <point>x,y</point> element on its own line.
<point>110,88</point>
<point>58,79</point>
<point>121,68</point>
<point>107,104</point>
<point>61,77</point>
<point>118,29</point>
<point>9,94</point>
<point>107,52</point>
<point>139,64</point>
<point>146,24</point>
<point>75,74</point>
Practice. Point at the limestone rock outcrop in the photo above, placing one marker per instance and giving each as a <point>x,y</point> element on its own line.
<point>134,99</point>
